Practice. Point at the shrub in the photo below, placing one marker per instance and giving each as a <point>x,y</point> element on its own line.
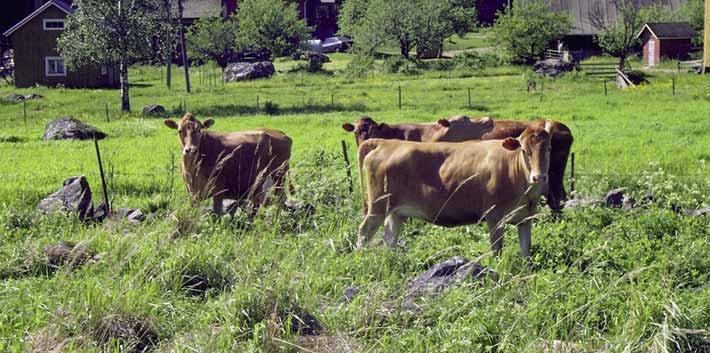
<point>525,32</point>
<point>472,60</point>
<point>271,108</point>
<point>360,66</point>
<point>393,64</point>
<point>315,63</point>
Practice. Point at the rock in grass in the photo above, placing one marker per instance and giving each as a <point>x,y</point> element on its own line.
<point>67,254</point>
<point>69,128</point>
<point>133,333</point>
<point>14,97</point>
<point>304,323</point>
<point>444,274</point>
<point>155,110</point>
<point>73,197</point>
<point>132,215</point>
<point>615,198</point>
<point>350,293</point>
<point>248,71</point>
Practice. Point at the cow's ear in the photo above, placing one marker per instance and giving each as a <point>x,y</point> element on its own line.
<point>348,127</point>
<point>208,123</point>
<point>511,144</point>
<point>171,123</point>
<point>444,122</point>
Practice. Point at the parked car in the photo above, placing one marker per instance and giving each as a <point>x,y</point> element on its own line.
<point>336,44</point>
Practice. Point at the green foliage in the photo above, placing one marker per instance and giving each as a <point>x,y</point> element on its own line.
<point>360,66</point>
<point>108,32</point>
<point>474,60</point>
<point>315,63</point>
<point>213,38</point>
<point>270,25</point>
<point>420,24</point>
<point>525,31</point>
<point>271,108</point>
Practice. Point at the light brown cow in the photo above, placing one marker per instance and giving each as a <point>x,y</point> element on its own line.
<point>463,128</point>
<point>452,184</point>
<point>240,166</point>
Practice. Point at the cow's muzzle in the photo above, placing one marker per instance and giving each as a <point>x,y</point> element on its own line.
<point>189,151</point>
<point>538,178</point>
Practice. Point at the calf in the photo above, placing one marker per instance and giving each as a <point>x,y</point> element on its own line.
<point>240,165</point>
<point>452,184</point>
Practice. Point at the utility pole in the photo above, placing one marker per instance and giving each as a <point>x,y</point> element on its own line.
<point>706,52</point>
<point>183,48</point>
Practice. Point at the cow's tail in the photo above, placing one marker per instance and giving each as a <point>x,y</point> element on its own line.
<point>365,148</point>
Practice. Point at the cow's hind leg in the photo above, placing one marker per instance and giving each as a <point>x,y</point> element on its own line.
<point>496,232</point>
<point>393,225</point>
<point>368,228</point>
<point>525,237</point>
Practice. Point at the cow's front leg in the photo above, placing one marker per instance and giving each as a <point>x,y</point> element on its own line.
<point>217,205</point>
<point>525,237</point>
<point>496,231</point>
<point>393,225</point>
<point>368,228</point>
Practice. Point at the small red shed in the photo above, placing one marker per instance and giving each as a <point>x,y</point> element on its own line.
<point>665,40</point>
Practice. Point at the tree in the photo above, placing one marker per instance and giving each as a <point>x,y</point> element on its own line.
<point>528,28</point>
<point>109,32</point>
<point>411,24</point>
<point>618,38</point>
<point>213,38</point>
<point>271,25</point>
<point>168,14</point>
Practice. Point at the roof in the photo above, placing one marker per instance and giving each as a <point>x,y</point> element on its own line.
<point>583,10</point>
<point>201,8</point>
<point>56,3</point>
<point>669,30</point>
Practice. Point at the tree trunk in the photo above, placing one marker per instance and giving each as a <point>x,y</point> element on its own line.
<point>404,48</point>
<point>168,73</point>
<point>183,48</point>
<point>125,100</point>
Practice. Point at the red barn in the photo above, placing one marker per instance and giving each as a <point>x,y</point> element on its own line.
<point>665,40</point>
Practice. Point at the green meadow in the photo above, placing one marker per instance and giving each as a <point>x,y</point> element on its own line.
<point>600,280</point>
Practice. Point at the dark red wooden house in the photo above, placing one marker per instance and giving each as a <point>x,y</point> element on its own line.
<point>672,40</point>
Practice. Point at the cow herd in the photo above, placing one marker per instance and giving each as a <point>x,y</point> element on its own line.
<point>454,172</point>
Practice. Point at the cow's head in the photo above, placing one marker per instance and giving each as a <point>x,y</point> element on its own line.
<point>534,143</point>
<point>190,131</point>
<point>366,128</point>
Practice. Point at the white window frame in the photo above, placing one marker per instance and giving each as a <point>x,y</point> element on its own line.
<point>47,59</point>
<point>44,24</point>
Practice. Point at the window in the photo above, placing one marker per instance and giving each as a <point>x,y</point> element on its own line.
<point>54,66</point>
<point>53,25</point>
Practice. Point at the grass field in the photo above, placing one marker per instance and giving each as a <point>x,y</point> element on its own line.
<point>600,278</point>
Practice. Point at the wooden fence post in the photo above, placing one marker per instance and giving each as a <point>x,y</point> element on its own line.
<point>469,98</point>
<point>106,108</point>
<point>347,165</point>
<point>103,177</point>
<point>399,90</point>
<point>257,104</point>
<point>24,110</point>
<point>605,90</point>
<point>571,173</point>
<point>673,78</point>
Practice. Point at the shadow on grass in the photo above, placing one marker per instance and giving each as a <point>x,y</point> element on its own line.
<point>308,108</point>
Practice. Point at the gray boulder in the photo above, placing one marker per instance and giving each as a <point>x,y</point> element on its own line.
<point>132,215</point>
<point>552,67</point>
<point>69,128</point>
<point>248,71</point>
<point>444,274</point>
<point>14,97</point>
<point>155,110</point>
<point>73,197</point>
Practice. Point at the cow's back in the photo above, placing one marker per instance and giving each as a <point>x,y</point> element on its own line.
<point>448,184</point>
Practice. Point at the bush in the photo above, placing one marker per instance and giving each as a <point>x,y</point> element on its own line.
<point>271,108</point>
<point>315,63</point>
<point>525,32</point>
<point>393,64</point>
<point>472,60</point>
<point>360,66</point>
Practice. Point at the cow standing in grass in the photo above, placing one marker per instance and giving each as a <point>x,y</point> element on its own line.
<point>452,184</point>
<point>240,166</point>
<point>463,128</point>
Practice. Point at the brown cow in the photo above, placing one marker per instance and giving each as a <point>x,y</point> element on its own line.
<point>452,184</point>
<point>465,129</point>
<point>241,166</point>
<point>457,129</point>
